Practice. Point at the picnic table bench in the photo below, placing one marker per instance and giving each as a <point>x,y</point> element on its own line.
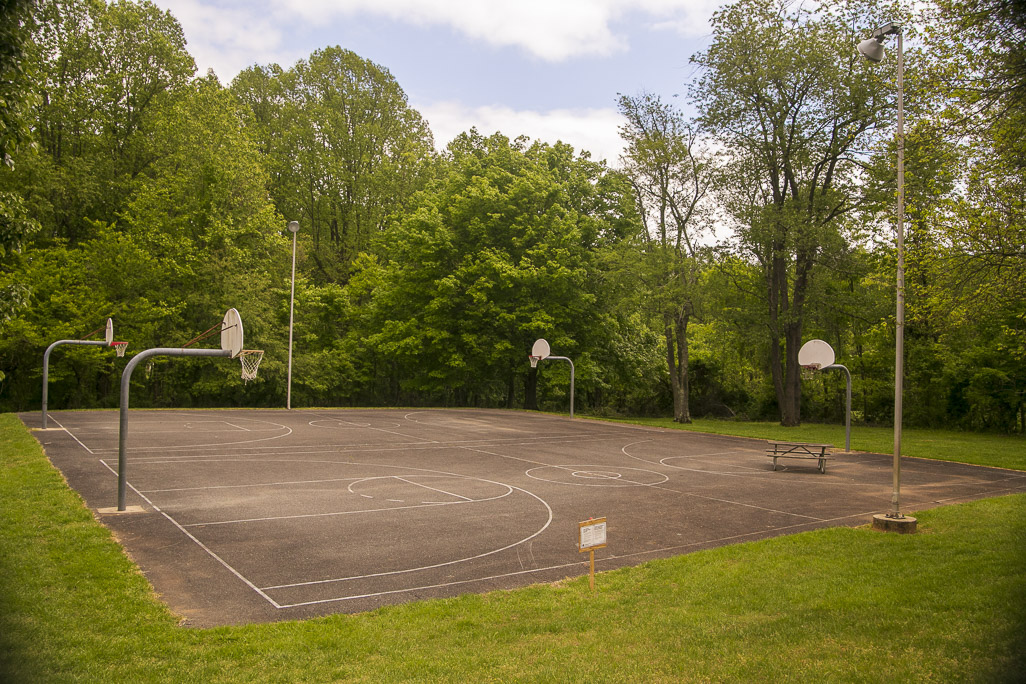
<point>818,452</point>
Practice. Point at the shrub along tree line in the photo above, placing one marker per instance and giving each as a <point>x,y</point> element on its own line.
<point>681,278</point>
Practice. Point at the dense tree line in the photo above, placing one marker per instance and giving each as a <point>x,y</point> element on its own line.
<point>681,281</point>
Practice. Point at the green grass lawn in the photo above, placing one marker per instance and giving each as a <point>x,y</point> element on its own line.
<point>999,451</point>
<point>948,604</point>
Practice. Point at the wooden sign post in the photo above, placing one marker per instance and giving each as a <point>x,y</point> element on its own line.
<point>591,536</point>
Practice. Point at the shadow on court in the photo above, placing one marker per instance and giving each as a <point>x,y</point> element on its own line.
<point>240,516</point>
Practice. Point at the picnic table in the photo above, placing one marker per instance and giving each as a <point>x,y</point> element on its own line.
<point>818,452</point>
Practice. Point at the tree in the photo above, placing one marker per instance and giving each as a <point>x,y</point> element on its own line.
<point>16,96</point>
<point>985,43</point>
<point>105,72</point>
<point>671,180</point>
<point>16,100</point>
<point>978,229</point>
<point>196,236</point>
<point>783,91</point>
<point>202,214</point>
<point>344,148</point>
<point>501,249</point>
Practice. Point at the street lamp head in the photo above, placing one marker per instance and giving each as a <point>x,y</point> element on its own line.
<point>294,226</point>
<point>872,49</point>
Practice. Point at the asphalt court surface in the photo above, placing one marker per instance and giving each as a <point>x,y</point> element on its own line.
<point>260,515</point>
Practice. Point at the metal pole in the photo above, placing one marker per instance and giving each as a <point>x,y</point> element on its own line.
<point>847,404</point>
<point>46,364</point>
<point>294,227</point>
<point>847,412</point>
<point>126,382</point>
<point>899,351</point>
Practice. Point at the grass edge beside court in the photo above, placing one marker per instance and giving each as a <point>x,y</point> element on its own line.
<point>839,604</point>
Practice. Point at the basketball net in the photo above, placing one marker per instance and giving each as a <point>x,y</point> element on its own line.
<point>809,372</point>
<point>534,361</point>
<point>120,348</point>
<point>250,359</point>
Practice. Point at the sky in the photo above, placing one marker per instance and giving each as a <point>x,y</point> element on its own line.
<point>548,69</point>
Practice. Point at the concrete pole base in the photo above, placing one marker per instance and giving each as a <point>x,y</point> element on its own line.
<point>903,525</point>
<point>113,510</point>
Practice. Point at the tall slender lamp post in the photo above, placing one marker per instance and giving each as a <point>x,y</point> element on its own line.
<point>294,227</point>
<point>872,49</point>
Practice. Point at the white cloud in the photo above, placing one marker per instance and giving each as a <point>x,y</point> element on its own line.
<point>551,30</point>
<point>594,130</point>
<point>230,35</point>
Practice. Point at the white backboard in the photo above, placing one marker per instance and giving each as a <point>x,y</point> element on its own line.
<point>231,332</point>
<point>816,353</point>
<point>541,349</point>
<point>109,334</point>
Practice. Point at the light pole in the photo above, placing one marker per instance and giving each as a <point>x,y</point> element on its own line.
<point>294,227</point>
<point>873,50</point>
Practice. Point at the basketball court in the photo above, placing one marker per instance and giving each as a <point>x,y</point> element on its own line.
<point>240,516</point>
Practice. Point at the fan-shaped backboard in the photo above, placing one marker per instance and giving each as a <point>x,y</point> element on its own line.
<point>231,332</point>
<point>816,353</point>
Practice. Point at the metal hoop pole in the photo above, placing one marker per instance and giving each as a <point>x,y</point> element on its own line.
<point>46,364</point>
<point>847,409</point>
<point>126,383</point>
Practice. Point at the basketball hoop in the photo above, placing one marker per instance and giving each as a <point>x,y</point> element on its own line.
<point>250,359</point>
<point>809,371</point>
<point>534,360</point>
<point>120,348</point>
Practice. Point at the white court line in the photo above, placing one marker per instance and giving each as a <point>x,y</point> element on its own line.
<point>332,449</point>
<point>512,458</point>
<point>203,546</point>
<point>225,422</point>
<point>545,569</point>
<point>663,462</point>
<point>243,486</point>
<point>434,489</point>
<point>436,565</point>
<point>745,505</point>
<point>759,473</point>
<point>336,514</point>
<point>426,586</point>
<point>423,440</point>
<point>72,435</point>
<point>341,513</point>
<point>377,446</point>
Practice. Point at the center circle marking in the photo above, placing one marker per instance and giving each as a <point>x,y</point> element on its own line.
<point>597,476</point>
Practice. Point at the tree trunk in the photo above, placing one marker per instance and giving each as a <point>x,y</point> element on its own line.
<point>790,414</point>
<point>671,364</point>
<point>682,412</point>
<point>510,388</point>
<point>531,390</point>
<point>784,326</point>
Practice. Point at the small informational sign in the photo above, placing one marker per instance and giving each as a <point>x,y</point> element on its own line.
<point>592,534</point>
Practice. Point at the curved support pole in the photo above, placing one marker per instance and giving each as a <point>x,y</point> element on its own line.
<point>847,413</point>
<point>126,381</point>
<point>46,364</point>
<point>563,358</point>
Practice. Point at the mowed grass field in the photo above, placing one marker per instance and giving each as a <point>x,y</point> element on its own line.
<point>947,604</point>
